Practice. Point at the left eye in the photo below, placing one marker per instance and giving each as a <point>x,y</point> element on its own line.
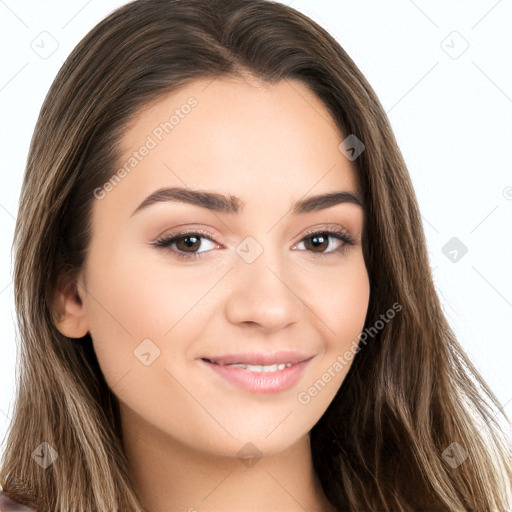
<point>320,241</point>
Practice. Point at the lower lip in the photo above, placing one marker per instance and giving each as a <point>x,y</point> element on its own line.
<point>260,382</point>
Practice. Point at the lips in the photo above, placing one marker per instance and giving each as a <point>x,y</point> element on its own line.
<point>259,372</point>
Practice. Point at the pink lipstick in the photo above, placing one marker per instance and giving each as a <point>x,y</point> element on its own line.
<point>260,372</point>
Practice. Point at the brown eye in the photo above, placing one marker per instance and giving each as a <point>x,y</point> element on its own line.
<point>190,243</point>
<point>319,242</point>
<point>187,245</point>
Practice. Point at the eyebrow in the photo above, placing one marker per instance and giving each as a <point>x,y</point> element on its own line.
<point>233,205</point>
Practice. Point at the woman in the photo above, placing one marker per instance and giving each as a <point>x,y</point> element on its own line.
<point>222,285</point>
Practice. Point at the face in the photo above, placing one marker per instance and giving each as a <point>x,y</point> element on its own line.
<point>224,320</point>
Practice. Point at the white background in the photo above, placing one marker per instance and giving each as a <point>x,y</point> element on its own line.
<point>451,113</point>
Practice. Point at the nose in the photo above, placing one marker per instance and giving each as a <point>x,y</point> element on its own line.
<point>263,294</point>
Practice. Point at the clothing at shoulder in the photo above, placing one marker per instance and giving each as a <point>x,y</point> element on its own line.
<point>7,504</point>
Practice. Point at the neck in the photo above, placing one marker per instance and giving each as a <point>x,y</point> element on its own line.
<point>168,475</point>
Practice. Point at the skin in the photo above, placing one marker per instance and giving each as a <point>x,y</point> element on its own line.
<point>183,425</point>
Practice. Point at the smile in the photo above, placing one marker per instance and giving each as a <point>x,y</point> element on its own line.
<point>259,373</point>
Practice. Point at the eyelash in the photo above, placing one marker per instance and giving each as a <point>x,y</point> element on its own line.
<point>336,233</point>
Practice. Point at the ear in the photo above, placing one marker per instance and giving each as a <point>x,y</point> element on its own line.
<point>68,310</point>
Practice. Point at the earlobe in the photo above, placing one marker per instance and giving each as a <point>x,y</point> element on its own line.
<point>68,309</point>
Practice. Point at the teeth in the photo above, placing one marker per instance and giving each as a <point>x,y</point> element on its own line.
<point>261,368</point>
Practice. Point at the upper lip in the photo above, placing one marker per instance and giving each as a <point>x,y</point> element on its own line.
<point>259,358</point>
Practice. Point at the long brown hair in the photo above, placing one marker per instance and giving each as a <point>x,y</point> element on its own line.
<point>411,392</point>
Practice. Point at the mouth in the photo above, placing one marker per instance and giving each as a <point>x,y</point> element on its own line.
<point>260,372</point>
<point>258,367</point>
<point>260,359</point>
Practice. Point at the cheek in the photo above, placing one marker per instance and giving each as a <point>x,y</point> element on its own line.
<point>132,299</point>
<point>342,303</point>
<point>343,307</point>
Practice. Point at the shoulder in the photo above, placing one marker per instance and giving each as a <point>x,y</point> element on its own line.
<point>7,504</point>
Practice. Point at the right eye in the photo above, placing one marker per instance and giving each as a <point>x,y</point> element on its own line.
<point>186,244</point>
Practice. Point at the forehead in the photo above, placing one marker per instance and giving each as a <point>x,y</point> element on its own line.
<point>233,135</point>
